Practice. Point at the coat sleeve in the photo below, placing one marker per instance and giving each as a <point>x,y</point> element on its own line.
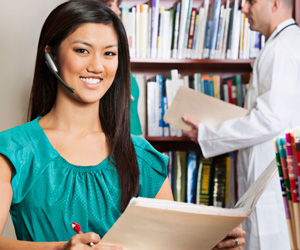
<point>277,92</point>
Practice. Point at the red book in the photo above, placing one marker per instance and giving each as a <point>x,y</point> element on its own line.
<point>192,28</point>
<point>290,166</point>
<point>297,157</point>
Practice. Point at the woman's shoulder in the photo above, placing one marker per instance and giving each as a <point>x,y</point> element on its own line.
<point>147,154</point>
<point>142,146</point>
<point>19,136</point>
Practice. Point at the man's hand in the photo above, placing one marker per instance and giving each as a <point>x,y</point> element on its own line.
<point>193,133</point>
<point>235,240</point>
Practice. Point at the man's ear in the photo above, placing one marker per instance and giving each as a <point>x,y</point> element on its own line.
<point>275,5</point>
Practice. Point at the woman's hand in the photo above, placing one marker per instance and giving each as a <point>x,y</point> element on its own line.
<point>82,242</point>
<point>235,240</point>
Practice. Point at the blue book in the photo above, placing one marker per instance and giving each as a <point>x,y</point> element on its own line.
<point>211,90</point>
<point>159,80</point>
<point>192,173</point>
<point>170,168</point>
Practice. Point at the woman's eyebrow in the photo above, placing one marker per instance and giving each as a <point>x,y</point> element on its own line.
<point>90,45</point>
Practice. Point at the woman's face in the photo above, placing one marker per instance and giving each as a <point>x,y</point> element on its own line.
<point>88,60</point>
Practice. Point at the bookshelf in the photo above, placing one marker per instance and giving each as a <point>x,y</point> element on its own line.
<point>223,67</point>
<point>150,67</point>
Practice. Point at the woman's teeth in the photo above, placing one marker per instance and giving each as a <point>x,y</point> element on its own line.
<point>90,80</point>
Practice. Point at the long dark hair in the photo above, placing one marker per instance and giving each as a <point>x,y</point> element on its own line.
<point>114,107</point>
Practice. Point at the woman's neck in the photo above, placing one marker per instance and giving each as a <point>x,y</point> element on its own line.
<point>80,119</point>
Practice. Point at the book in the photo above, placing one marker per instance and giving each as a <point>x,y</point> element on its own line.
<point>212,49</point>
<point>153,112</point>
<point>180,176</point>
<point>171,169</point>
<point>191,32</point>
<point>160,224</point>
<point>204,108</point>
<point>144,17</point>
<point>219,185</point>
<point>208,31</point>
<point>176,30</point>
<point>184,10</point>
<point>154,27</point>
<point>191,180</point>
<point>161,104</point>
<point>204,181</point>
<point>201,29</point>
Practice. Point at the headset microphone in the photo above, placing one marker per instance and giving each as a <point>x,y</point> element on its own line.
<point>51,65</point>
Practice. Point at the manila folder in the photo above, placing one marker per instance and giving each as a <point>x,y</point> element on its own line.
<point>202,107</point>
<point>152,224</point>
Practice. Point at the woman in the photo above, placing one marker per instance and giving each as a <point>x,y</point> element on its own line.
<point>75,160</point>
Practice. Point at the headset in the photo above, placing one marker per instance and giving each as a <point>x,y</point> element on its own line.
<point>53,68</point>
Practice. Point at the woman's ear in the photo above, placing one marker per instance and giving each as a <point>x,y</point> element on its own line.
<point>48,49</point>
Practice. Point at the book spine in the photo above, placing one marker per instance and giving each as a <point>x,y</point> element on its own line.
<point>159,80</point>
<point>219,185</point>
<point>180,176</point>
<point>144,30</point>
<point>171,169</point>
<point>176,31</point>
<point>297,154</point>
<point>154,27</point>
<point>191,32</point>
<point>216,17</point>
<point>205,183</point>
<point>191,177</point>
<point>153,113</point>
<point>290,167</point>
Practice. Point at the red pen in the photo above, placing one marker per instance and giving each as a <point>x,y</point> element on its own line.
<point>77,229</point>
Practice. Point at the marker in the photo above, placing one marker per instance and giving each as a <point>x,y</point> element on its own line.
<point>77,229</point>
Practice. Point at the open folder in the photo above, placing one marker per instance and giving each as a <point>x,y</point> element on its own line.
<point>151,224</point>
<point>204,108</point>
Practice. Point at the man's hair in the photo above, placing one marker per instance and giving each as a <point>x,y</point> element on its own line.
<point>288,3</point>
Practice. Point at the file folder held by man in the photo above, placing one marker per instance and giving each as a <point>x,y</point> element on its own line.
<point>202,107</point>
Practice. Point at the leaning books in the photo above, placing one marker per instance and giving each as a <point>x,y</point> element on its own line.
<point>287,148</point>
<point>159,224</point>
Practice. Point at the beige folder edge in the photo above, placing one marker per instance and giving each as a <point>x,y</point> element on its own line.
<point>202,107</point>
<point>152,224</point>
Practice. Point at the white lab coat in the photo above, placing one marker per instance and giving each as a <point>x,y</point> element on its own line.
<point>273,101</point>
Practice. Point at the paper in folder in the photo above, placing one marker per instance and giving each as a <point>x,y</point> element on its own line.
<point>151,224</point>
<point>204,108</point>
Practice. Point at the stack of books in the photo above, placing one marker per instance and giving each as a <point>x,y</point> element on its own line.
<point>287,147</point>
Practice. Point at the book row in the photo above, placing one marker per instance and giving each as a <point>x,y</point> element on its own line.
<point>213,30</point>
<point>161,89</point>
<point>207,181</point>
<point>287,148</point>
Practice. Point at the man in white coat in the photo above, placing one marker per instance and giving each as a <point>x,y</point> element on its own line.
<point>273,101</point>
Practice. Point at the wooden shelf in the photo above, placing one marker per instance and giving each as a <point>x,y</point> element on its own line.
<point>150,67</point>
<point>173,143</point>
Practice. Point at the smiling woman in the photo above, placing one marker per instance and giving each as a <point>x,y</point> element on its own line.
<point>76,159</point>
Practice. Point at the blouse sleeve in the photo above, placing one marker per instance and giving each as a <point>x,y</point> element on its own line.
<point>152,166</point>
<point>22,153</point>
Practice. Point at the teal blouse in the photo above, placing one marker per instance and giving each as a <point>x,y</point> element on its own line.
<point>50,193</point>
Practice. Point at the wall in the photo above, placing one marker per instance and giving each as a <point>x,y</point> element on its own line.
<point>20,24</point>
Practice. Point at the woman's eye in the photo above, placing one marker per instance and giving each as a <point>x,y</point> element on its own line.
<point>82,51</point>
<point>110,53</point>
